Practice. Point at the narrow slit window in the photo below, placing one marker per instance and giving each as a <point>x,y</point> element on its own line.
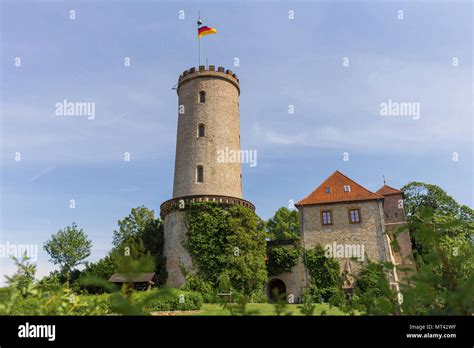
<point>201,130</point>
<point>202,97</point>
<point>200,174</point>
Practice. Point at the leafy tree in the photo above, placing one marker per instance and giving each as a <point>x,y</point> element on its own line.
<point>282,259</point>
<point>373,294</point>
<point>419,196</point>
<point>68,248</point>
<point>140,234</point>
<point>444,283</point>
<point>230,240</point>
<point>284,225</point>
<point>24,276</point>
<point>132,226</point>
<point>325,274</point>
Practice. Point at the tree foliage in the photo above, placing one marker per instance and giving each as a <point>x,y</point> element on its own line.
<point>444,282</point>
<point>325,275</point>
<point>373,294</point>
<point>282,259</point>
<point>419,196</point>
<point>284,225</point>
<point>68,248</point>
<point>228,241</point>
<point>140,234</point>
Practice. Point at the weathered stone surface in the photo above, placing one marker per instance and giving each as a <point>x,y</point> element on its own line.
<point>369,232</point>
<point>220,117</point>
<point>175,231</point>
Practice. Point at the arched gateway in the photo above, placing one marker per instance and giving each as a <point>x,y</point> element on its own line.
<point>276,287</point>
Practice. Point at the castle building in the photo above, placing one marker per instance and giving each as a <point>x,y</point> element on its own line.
<point>208,123</point>
<point>350,222</point>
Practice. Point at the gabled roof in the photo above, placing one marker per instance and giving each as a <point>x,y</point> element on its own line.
<point>132,277</point>
<point>336,182</point>
<point>386,190</point>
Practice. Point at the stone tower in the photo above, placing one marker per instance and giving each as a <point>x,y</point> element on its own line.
<point>208,127</point>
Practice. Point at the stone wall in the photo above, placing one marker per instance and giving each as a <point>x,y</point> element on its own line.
<point>175,231</point>
<point>220,117</point>
<point>368,233</point>
<point>294,281</point>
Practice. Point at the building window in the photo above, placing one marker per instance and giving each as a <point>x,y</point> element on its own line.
<point>347,188</point>
<point>201,130</point>
<point>396,215</point>
<point>354,215</point>
<point>202,97</point>
<point>328,189</point>
<point>200,174</point>
<point>326,217</point>
<point>386,215</point>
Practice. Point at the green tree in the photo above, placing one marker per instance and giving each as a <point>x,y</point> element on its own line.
<point>284,225</point>
<point>373,294</point>
<point>230,240</point>
<point>24,276</point>
<point>419,196</point>
<point>444,283</point>
<point>68,248</point>
<point>325,275</point>
<point>132,226</point>
<point>139,235</point>
<point>282,259</point>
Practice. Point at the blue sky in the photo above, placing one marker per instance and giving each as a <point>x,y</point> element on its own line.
<point>282,62</point>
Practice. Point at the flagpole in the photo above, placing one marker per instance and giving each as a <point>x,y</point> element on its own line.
<point>199,39</point>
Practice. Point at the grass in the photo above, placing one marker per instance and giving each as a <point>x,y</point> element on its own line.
<point>212,309</point>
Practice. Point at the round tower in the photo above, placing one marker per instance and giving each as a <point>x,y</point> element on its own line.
<point>207,163</point>
<point>208,125</point>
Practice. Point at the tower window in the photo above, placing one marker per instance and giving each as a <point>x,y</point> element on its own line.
<point>202,97</point>
<point>354,215</point>
<point>201,130</point>
<point>200,174</point>
<point>326,217</point>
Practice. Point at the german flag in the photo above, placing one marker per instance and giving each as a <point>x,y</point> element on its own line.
<point>203,31</point>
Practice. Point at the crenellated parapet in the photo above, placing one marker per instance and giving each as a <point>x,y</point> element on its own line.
<point>211,71</point>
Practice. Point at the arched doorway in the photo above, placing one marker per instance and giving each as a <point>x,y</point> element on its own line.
<point>276,287</point>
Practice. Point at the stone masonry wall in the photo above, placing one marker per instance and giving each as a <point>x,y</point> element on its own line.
<point>175,231</point>
<point>220,116</point>
<point>369,232</point>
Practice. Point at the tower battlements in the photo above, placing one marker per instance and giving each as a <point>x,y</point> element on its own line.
<point>220,73</point>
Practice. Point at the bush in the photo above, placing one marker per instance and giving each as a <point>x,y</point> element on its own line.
<point>196,284</point>
<point>230,240</point>
<point>325,276</point>
<point>282,259</point>
<point>168,299</point>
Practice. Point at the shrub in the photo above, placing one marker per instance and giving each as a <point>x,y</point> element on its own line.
<point>231,240</point>
<point>282,259</point>
<point>325,276</point>
<point>168,299</point>
<point>196,284</point>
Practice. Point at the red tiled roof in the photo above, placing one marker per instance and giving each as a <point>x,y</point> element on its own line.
<point>336,183</point>
<point>386,190</point>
